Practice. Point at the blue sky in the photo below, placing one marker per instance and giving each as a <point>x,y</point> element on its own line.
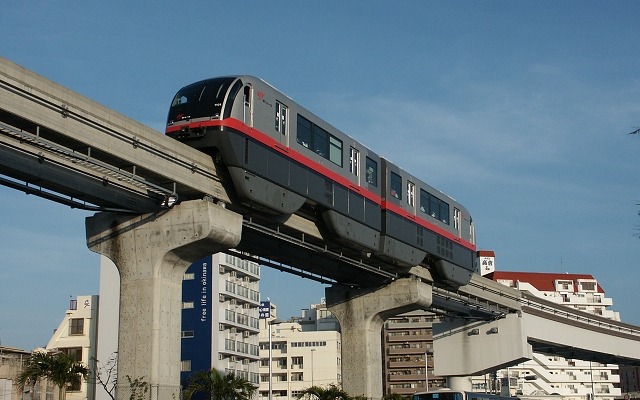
<point>519,110</point>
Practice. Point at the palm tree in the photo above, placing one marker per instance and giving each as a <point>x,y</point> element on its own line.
<point>59,368</point>
<point>218,386</point>
<point>332,392</point>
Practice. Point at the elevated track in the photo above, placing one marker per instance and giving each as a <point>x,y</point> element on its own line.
<point>67,148</point>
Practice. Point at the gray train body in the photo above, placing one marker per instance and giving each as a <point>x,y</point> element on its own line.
<point>283,159</point>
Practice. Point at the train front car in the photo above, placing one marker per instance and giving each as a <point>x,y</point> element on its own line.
<point>423,225</point>
<point>232,119</point>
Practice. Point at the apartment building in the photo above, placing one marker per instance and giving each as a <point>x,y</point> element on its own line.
<point>407,342</point>
<point>220,327</point>
<point>546,374</point>
<point>304,352</point>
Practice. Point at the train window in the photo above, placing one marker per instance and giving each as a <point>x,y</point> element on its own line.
<point>354,161</point>
<point>456,219</point>
<point>335,150</point>
<point>247,106</point>
<point>320,140</point>
<point>304,131</point>
<point>281,118</point>
<point>372,172</point>
<point>444,212</point>
<point>424,201</point>
<point>411,193</point>
<point>396,186</point>
<point>436,208</point>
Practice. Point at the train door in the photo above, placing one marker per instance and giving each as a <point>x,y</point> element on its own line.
<point>456,221</point>
<point>248,106</point>
<point>282,123</point>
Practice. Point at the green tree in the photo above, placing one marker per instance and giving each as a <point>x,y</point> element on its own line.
<point>332,392</point>
<point>394,396</point>
<point>218,386</point>
<point>107,375</point>
<point>60,369</point>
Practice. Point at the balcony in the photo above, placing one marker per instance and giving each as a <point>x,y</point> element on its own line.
<point>407,350</point>
<point>405,364</point>
<point>406,377</point>
<point>409,338</point>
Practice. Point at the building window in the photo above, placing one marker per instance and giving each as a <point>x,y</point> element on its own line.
<point>187,305</point>
<point>185,365</point>
<point>74,353</point>
<point>76,326</point>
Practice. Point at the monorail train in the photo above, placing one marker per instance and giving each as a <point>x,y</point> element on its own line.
<point>281,157</point>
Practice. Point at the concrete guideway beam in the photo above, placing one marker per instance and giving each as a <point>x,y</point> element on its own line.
<point>361,313</point>
<point>152,253</point>
<point>463,348</point>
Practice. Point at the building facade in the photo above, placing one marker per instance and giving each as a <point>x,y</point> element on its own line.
<point>220,326</point>
<point>12,363</point>
<point>304,352</point>
<point>545,374</point>
<point>407,342</point>
<point>76,337</point>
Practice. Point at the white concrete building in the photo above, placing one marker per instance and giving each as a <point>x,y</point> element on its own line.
<point>546,375</point>
<point>76,336</point>
<point>305,352</point>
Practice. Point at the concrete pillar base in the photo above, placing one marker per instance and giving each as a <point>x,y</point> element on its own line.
<point>152,253</point>
<point>462,383</point>
<point>361,313</point>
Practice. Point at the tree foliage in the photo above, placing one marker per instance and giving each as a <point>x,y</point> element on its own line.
<point>218,386</point>
<point>331,392</point>
<point>58,368</point>
<point>107,375</point>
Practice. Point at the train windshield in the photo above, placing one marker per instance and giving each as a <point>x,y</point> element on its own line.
<point>201,99</point>
<point>438,396</point>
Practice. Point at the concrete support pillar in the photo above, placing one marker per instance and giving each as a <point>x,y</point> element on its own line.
<point>152,253</point>
<point>462,383</point>
<point>361,313</point>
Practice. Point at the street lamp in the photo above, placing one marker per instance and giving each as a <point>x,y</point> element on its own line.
<point>312,351</point>
<point>271,323</point>
<point>426,367</point>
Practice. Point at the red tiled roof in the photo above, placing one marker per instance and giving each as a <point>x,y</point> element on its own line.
<point>543,281</point>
